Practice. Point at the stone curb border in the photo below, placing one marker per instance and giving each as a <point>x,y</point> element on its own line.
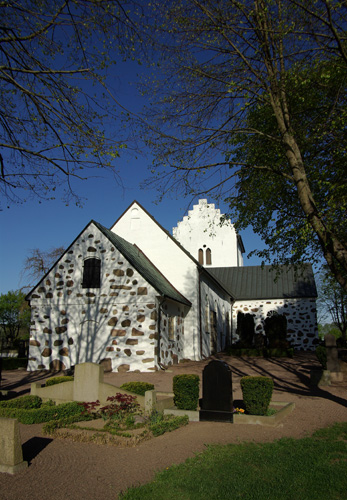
<point>271,421</point>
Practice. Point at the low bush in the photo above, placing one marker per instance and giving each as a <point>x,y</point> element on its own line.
<point>168,423</point>
<point>186,391</point>
<point>138,387</point>
<point>14,363</point>
<point>43,414</point>
<point>257,393</point>
<point>321,354</point>
<point>27,402</point>
<point>58,380</point>
<point>50,427</point>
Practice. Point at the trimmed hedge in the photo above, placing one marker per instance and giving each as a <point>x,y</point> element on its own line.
<point>58,380</point>
<point>14,363</point>
<point>186,391</point>
<point>257,393</point>
<point>43,414</point>
<point>137,387</point>
<point>168,423</point>
<point>276,352</point>
<point>27,402</point>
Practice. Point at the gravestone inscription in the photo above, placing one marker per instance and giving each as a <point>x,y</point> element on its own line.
<point>217,395</point>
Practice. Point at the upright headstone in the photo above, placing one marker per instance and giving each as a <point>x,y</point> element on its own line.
<point>11,454</point>
<point>217,394</point>
<point>88,376</point>
<point>333,363</point>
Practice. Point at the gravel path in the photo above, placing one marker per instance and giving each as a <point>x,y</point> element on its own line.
<point>64,470</point>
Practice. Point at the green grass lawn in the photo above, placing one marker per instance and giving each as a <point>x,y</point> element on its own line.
<point>312,468</point>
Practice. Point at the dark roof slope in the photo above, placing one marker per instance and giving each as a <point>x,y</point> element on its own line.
<point>144,266</point>
<point>267,282</point>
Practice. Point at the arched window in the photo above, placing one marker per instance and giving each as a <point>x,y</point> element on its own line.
<point>208,257</point>
<point>91,273</point>
<point>201,256</point>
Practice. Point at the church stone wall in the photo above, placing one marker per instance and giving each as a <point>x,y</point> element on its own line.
<point>116,322</point>
<point>302,331</point>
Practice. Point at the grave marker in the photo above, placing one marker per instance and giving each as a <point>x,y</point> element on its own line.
<point>11,454</point>
<point>217,394</point>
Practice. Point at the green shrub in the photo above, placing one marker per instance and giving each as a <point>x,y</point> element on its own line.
<point>186,391</point>
<point>321,354</point>
<point>257,392</point>
<point>14,363</point>
<point>27,402</point>
<point>168,423</point>
<point>50,426</point>
<point>43,414</point>
<point>58,380</point>
<point>138,387</point>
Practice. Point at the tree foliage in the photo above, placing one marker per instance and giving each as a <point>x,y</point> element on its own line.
<point>332,300</point>
<point>252,108</point>
<point>53,107</point>
<point>14,314</point>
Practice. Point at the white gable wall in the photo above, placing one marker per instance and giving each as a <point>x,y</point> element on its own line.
<point>137,227</point>
<point>201,229</point>
<point>117,321</point>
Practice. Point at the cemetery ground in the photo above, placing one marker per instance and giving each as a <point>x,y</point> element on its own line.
<point>61,469</point>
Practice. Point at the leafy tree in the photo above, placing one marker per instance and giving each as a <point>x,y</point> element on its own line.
<point>53,65</point>
<point>333,300</point>
<point>14,315</point>
<point>252,107</point>
<point>39,262</point>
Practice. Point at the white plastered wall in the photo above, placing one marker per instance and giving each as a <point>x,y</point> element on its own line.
<point>202,229</point>
<point>301,317</point>
<point>137,227</point>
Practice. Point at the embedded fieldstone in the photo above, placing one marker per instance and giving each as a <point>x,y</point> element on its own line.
<point>60,283</point>
<point>154,315</point>
<point>150,306</point>
<point>58,343</point>
<point>132,293</point>
<point>152,335</point>
<point>127,352</point>
<point>69,283</point>
<point>41,289</point>
<point>118,333</point>
<point>48,282</point>
<point>130,272</point>
<point>103,310</point>
<point>118,272</point>
<point>60,294</point>
<point>57,365</point>
<point>65,321</point>
<point>120,287</point>
<point>134,282</point>
<point>142,290</point>
<point>141,318</point>
<point>125,308</point>
<point>46,352</point>
<point>123,368</point>
<point>40,367</point>
<point>64,351</point>
<point>34,343</point>
<point>109,349</point>
<point>60,329</point>
<point>47,330</point>
<point>152,327</point>
<point>139,353</point>
<point>136,333</point>
<point>114,312</point>
<point>49,295</point>
<point>90,294</point>
<point>132,342</point>
<point>35,296</point>
<point>91,249</point>
<point>112,321</point>
<point>114,342</point>
<point>70,341</point>
<point>126,322</point>
<point>147,360</point>
<point>113,294</point>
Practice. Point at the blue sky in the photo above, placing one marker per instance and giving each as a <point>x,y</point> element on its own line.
<point>52,224</point>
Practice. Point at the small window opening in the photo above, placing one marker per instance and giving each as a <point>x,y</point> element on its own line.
<point>208,257</point>
<point>201,256</point>
<point>91,273</point>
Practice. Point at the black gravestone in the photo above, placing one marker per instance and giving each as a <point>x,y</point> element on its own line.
<point>217,395</point>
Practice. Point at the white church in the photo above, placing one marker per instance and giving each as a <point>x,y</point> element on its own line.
<point>136,298</point>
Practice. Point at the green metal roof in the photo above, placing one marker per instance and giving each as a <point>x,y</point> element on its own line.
<point>144,266</point>
<point>267,282</point>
